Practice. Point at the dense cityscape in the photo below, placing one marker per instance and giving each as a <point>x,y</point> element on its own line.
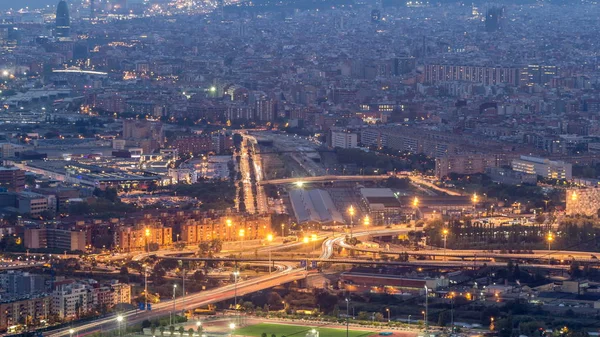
<point>299,168</point>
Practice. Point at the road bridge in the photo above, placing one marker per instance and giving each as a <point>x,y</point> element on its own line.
<point>323,179</point>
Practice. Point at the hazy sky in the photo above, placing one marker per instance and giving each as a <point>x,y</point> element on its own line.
<point>6,4</point>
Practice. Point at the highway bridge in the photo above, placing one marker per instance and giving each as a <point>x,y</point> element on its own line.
<point>80,71</point>
<point>322,179</point>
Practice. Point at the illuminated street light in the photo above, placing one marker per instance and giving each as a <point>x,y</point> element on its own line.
<point>416,202</point>
<point>119,320</point>
<point>574,196</point>
<point>550,238</point>
<point>228,221</point>
<point>366,221</point>
<point>71,332</point>
<point>242,233</point>
<point>299,184</point>
<point>269,240</point>
<point>235,277</point>
<point>445,233</point>
<point>351,212</point>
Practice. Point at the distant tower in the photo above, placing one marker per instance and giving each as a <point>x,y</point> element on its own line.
<point>63,22</point>
<point>493,18</point>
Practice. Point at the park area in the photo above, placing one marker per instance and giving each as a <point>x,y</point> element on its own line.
<point>286,330</point>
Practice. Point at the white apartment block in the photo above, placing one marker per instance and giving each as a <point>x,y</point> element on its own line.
<point>553,169</point>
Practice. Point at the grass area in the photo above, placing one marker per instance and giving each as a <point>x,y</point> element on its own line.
<point>295,331</point>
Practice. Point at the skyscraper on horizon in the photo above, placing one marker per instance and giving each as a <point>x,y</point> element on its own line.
<point>63,21</point>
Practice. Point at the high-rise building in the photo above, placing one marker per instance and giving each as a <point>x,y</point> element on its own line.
<point>63,21</point>
<point>493,19</point>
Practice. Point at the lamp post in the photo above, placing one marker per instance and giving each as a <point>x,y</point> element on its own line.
<point>231,327</point>
<point>71,332</point>
<point>228,221</point>
<point>119,320</point>
<point>351,212</point>
<point>241,233</point>
<point>409,319</point>
<point>366,221</point>
<point>445,233</point>
<point>313,238</point>
<point>452,295</point>
<point>550,238</point>
<point>269,240</point>
<point>147,234</point>
<point>347,316</point>
<point>416,206</point>
<point>171,313</point>
<point>388,312</point>
<point>475,200</point>
<point>235,276</point>
<point>426,309</point>
<point>282,230</point>
<point>423,313</point>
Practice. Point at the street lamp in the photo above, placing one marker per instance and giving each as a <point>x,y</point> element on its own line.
<point>423,313</point>
<point>426,309</point>
<point>228,221</point>
<point>269,240</point>
<point>415,204</point>
<point>550,238</point>
<point>171,313</point>
<point>231,327</point>
<point>282,230</point>
<point>120,320</point>
<point>351,212</point>
<point>71,332</point>
<point>388,312</point>
<point>313,238</point>
<point>366,221</point>
<point>452,295</point>
<point>235,277</point>
<point>241,233</point>
<point>409,316</point>
<point>445,233</point>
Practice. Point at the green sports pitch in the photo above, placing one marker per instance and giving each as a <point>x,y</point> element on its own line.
<point>286,330</point>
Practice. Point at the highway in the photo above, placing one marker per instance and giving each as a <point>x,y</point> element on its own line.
<point>478,254</point>
<point>323,179</point>
<point>287,274</point>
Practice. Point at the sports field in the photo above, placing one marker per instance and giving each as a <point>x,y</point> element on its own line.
<point>281,330</point>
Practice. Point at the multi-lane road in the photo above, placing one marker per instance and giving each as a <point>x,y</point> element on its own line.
<point>286,274</point>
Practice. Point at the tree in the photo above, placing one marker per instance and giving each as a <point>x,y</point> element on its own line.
<point>378,316</point>
<point>172,329</point>
<point>191,332</point>
<point>264,334</point>
<point>199,329</point>
<point>181,331</point>
<point>273,335</point>
<point>162,330</point>
<point>153,329</point>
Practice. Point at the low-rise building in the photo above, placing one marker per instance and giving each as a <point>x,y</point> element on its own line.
<point>552,169</point>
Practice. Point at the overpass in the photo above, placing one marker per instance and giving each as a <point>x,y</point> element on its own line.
<point>537,255</point>
<point>80,71</point>
<point>322,179</point>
